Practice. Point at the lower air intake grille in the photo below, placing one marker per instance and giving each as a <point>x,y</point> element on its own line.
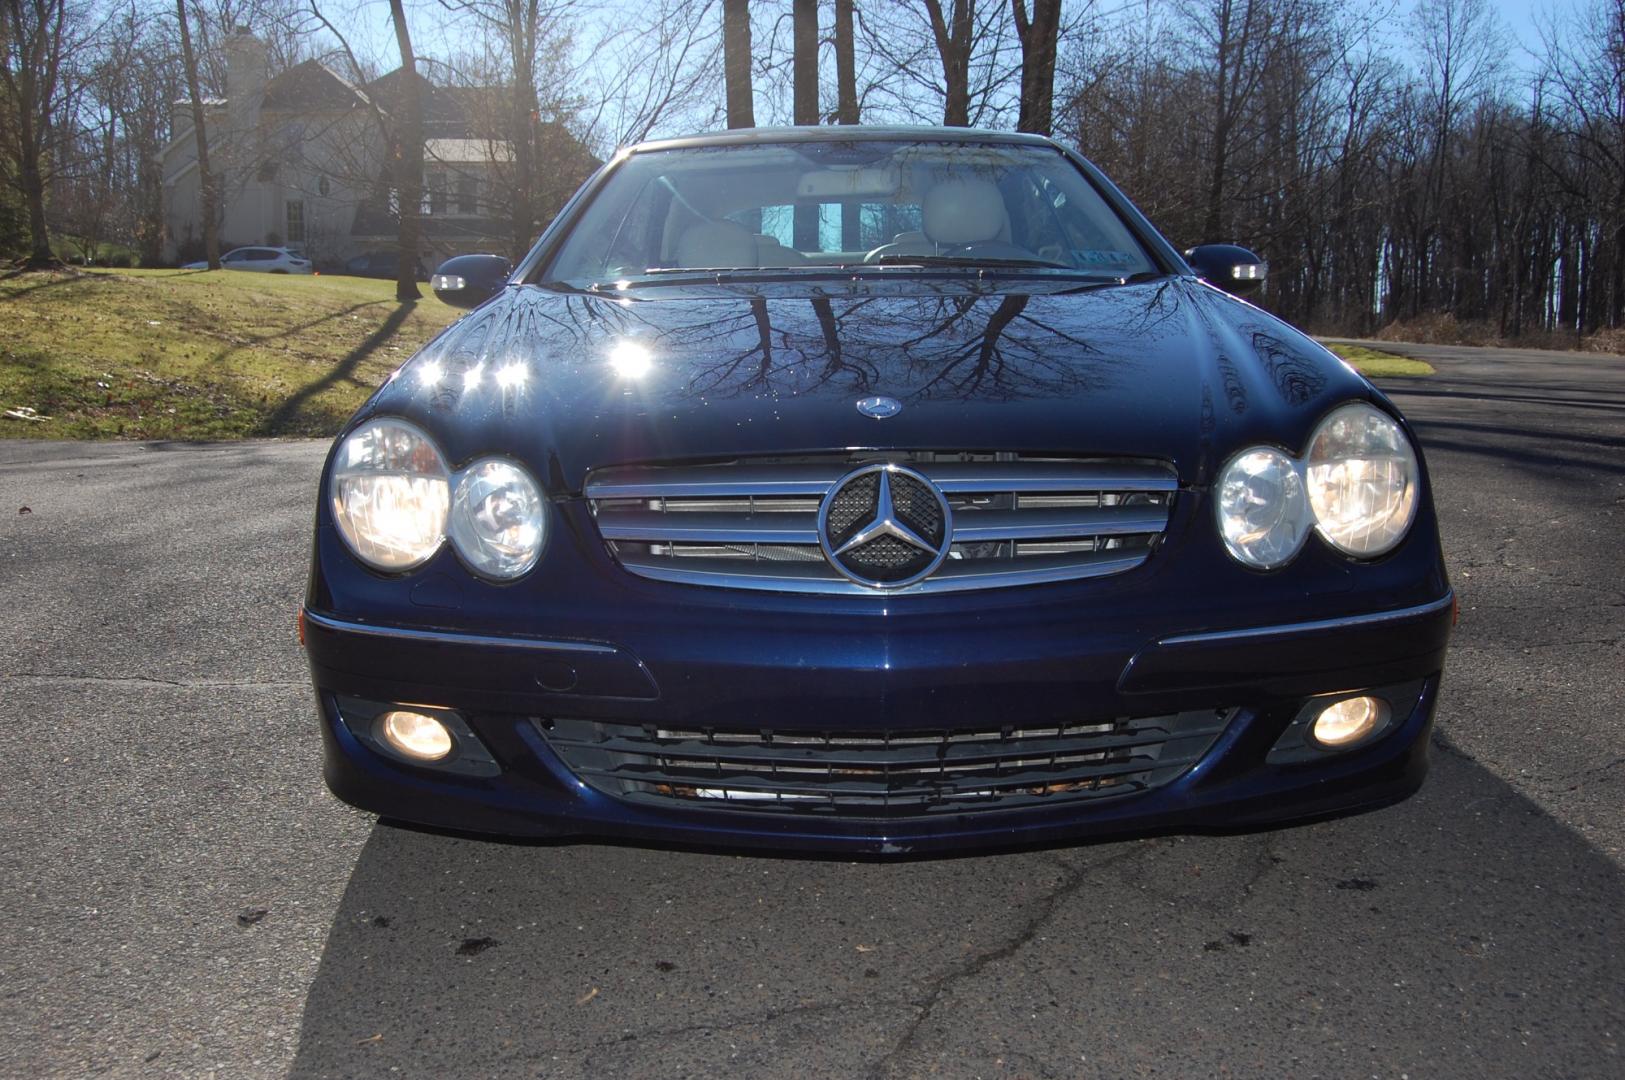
<point>882,774</point>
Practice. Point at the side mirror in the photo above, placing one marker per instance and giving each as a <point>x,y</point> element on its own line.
<point>467,281</point>
<point>1233,269</point>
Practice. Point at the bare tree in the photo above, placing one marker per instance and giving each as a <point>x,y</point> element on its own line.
<point>805,19</point>
<point>37,41</point>
<point>1039,34</point>
<point>530,39</point>
<point>406,155</point>
<point>924,52</point>
<point>846,65</point>
<point>955,38</point>
<point>736,63</point>
<point>659,66</point>
<point>208,182</point>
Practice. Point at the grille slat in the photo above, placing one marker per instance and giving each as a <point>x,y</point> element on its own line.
<point>883,773</point>
<point>1055,524</point>
<point>754,524</point>
<point>708,527</point>
<point>904,756</point>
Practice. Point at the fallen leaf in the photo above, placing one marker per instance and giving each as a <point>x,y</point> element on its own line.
<point>370,1039</point>
<point>588,996</point>
<point>866,948</point>
<point>475,945</point>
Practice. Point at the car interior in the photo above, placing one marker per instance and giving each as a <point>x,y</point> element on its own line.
<point>767,207</point>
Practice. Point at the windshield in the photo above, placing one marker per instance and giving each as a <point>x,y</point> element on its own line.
<point>840,204</point>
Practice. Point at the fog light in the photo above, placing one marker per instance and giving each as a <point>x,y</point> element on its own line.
<point>1344,723</point>
<point>415,735</point>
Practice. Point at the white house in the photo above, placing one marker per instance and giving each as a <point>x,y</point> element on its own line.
<point>301,162</point>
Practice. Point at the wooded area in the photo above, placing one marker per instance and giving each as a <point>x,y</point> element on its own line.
<point>1414,167</point>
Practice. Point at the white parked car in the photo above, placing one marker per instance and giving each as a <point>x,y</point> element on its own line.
<point>265,260</point>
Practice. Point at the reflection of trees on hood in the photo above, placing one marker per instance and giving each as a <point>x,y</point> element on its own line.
<point>941,346</point>
<point>933,348</point>
<point>1298,378</point>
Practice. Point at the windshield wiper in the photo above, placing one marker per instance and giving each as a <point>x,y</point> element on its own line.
<point>977,262</point>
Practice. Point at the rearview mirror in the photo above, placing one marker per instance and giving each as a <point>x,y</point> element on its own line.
<point>467,281</point>
<point>1233,269</point>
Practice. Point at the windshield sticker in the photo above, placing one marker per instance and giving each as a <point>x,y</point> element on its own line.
<point>1098,257</point>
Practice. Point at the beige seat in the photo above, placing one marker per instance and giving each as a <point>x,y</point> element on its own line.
<point>955,213</point>
<point>717,245</point>
<point>770,252</point>
<point>959,212</point>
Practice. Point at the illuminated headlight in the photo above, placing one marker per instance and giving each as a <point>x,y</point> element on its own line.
<point>1263,515</point>
<point>497,519</point>
<point>1362,478</point>
<point>390,491</point>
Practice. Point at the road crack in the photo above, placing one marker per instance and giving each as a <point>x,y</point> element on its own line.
<point>1044,909</point>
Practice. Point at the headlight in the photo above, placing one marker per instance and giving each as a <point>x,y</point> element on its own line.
<point>1261,508</point>
<point>497,518</point>
<point>1362,478</point>
<point>389,493</point>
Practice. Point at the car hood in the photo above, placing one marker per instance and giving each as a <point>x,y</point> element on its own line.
<point>570,381</point>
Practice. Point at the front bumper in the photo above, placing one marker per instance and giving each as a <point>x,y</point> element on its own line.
<point>808,677</point>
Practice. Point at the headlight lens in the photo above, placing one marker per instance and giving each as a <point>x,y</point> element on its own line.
<point>389,493</point>
<point>497,519</point>
<point>1261,508</point>
<point>1363,479</point>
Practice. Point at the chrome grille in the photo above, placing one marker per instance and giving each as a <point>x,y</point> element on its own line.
<point>883,773</point>
<point>753,523</point>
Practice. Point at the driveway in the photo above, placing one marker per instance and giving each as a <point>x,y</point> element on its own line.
<point>183,898</point>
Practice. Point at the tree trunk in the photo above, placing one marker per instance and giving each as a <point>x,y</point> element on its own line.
<point>207,186</point>
<point>846,66</point>
<point>805,61</point>
<point>408,161</point>
<point>1038,36</point>
<point>846,111</point>
<point>736,63</point>
<point>39,234</point>
<point>953,39</point>
<point>524,211</point>
<point>804,69</point>
<point>1214,220</point>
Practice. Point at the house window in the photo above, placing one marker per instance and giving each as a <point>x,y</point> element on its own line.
<point>324,186</point>
<point>296,221</point>
<point>467,195</point>
<point>437,192</point>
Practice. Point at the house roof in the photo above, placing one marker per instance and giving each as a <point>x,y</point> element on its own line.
<point>311,87</point>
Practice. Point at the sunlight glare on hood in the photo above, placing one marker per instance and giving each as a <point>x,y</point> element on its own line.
<point>631,360</point>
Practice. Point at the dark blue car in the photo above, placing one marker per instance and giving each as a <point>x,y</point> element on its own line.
<point>871,490</point>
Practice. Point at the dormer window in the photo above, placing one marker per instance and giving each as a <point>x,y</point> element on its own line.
<point>267,172</point>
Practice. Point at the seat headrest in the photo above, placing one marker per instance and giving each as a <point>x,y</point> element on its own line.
<point>716,244</point>
<point>963,212</point>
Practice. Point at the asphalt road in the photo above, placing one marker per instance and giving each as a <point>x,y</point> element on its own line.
<point>179,896</point>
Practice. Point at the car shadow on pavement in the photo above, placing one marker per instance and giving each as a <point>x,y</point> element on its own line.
<point>1463,932</point>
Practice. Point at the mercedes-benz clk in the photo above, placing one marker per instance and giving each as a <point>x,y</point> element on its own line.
<point>870,490</point>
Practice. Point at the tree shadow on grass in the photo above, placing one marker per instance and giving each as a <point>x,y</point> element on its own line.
<point>289,331</point>
<point>279,420</point>
<point>1462,933</point>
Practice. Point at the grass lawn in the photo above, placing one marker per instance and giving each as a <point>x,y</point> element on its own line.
<point>172,354</point>
<point>1375,364</point>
